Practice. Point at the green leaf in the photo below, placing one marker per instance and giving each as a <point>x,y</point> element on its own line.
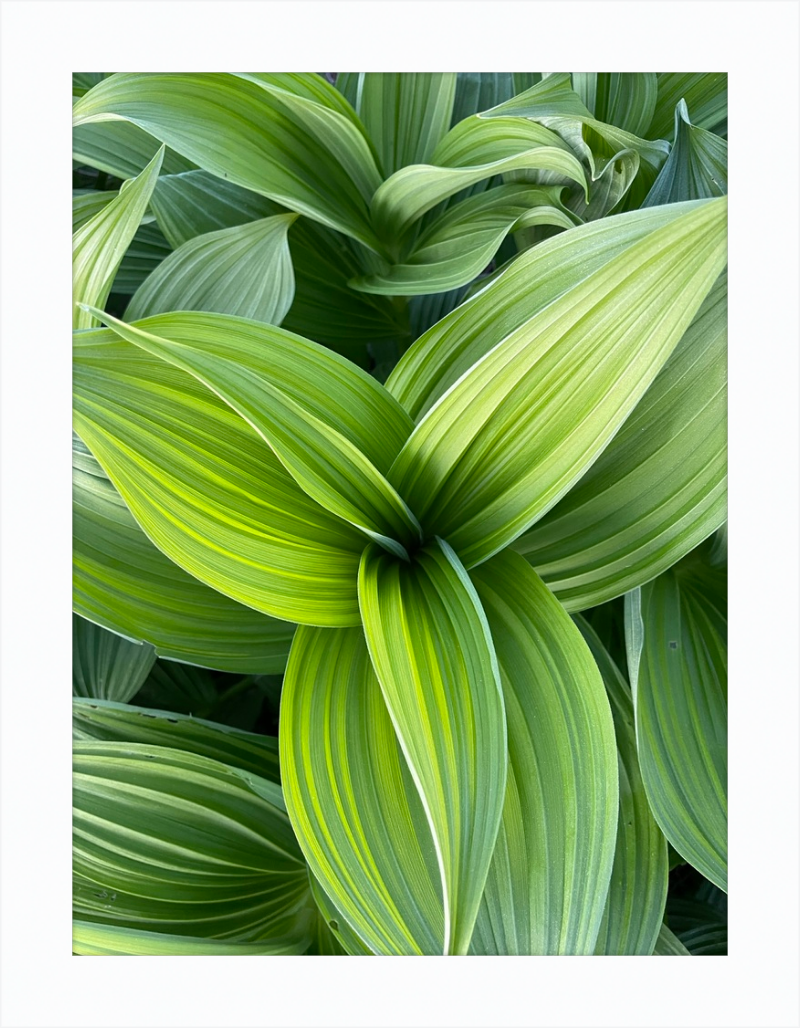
<point>405,114</point>
<point>206,489</point>
<point>526,421</point>
<point>459,244</point>
<point>333,427</point>
<point>697,166</point>
<point>432,652</point>
<point>170,841</point>
<point>88,202</point>
<point>245,271</point>
<point>472,151</point>
<point>343,938</point>
<point>104,665</point>
<point>680,695</point>
<point>105,940</point>
<point>123,582</point>
<point>551,867</point>
<point>699,926</point>
<point>268,133</point>
<point>638,890</point>
<point>705,94</point>
<point>105,721</point>
<point>122,150</point>
<point>669,945</point>
<point>146,252</point>
<point>478,91</point>
<point>353,804</point>
<point>99,244</point>
<point>625,99</point>
<point>658,489</point>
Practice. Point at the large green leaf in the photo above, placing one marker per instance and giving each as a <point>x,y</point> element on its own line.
<point>245,271</point>
<point>658,489</point>
<point>638,890</point>
<point>547,884</point>
<point>472,151</point>
<point>90,939</point>
<point>340,936</point>
<point>105,721</point>
<point>169,841</point>
<point>330,424</point>
<point>526,421</point>
<point>697,166</point>
<point>433,654</point>
<point>353,804</point>
<point>680,692</point>
<point>99,245</point>
<point>104,665</point>
<point>705,93</point>
<point>123,582</point>
<point>405,114</point>
<point>121,149</point>
<point>623,98</point>
<point>268,133</point>
<point>206,488</point>
<point>459,244</point>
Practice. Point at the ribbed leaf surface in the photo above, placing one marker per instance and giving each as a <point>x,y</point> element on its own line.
<point>104,665</point>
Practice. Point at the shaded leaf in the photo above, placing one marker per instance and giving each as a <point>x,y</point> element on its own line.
<point>697,166</point>
<point>104,665</point>
<point>622,98</point>
<point>705,93</point>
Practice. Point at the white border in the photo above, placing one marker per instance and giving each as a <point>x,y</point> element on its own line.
<point>42,43</point>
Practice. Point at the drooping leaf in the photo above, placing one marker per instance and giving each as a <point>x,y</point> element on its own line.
<point>405,114</point>
<point>697,166</point>
<point>105,721</point>
<point>123,582</point>
<point>165,840</point>
<point>268,133</point>
<point>99,245</point>
<point>460,243</point>
<point>90,939</point>
<point>706,95</point>
<point>548,879</point>
<point>207,490</point>
<point>333,427</point>
<point>638,889</point>
<point>544,403</point>
<point>353,804</point>
<point>680,695</point>
<point>658,489</point>
<point>432,651</point>
<point>104,665</point>
<point>244,271</point>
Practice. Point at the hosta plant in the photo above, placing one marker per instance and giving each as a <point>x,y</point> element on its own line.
<point>399,546</point>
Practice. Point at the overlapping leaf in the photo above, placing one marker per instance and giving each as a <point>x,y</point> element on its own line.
<point>331,425</point>
<point>99,245</point>
<point>90,939</point>
<point>548,398</point>
<point>244,271</point>
<point>433,654</point>
<point>288,137</point>
<point>658,489</point>
<point>705,93</point>
<point>680,694</point>
<point>635,906</point>
<point>122,581</point>
<point>121,149</point>
<point>547,884</point>
<point>206,488</point>
<point>104,665</point>
<point>623,98</point>
<point>697,166</point>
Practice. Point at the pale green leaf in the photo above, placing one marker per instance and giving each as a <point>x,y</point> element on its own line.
<point>697,166</point>
<point>405,114</point>
<point>433,654</point>
<point>123,582</point>
<point>90,939</point>
<point>268,133</point>
<point>245,271</point>
<point>353,805</point>
<point>105,721</point>
<point>658,489</point>
<point>547,883</point>
<point>681,699</point>
<point>523,425</point>
<point>330,424</point>
<point>99,245</point>
<point>638,890</point>
<point>88,202</point>
<point>207,490</point>
<point>104,665</point>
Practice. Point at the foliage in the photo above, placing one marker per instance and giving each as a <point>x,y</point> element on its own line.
<point>399,538</point>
